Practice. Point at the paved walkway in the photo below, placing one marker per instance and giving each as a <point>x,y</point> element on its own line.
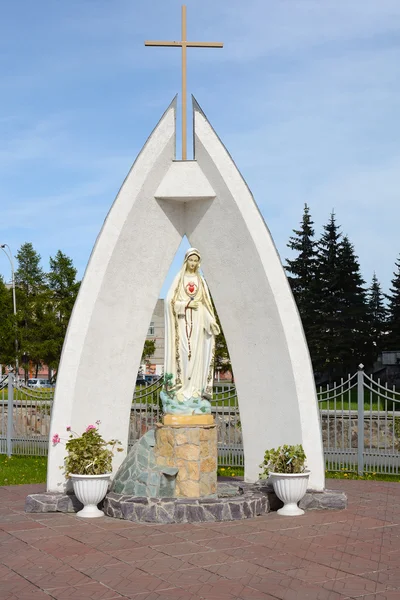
<point>324,555</point>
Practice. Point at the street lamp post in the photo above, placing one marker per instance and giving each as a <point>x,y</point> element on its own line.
<point>7,251</point>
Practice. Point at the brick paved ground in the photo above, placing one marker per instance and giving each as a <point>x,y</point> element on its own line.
<point>324,555</point>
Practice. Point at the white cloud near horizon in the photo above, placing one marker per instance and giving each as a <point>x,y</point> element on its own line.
<point>305,96</point>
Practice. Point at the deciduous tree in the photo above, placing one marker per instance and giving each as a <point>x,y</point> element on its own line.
<point>30,287</point>
<point>149,349</point>
<point>63,290</point>
<point>7,326</point>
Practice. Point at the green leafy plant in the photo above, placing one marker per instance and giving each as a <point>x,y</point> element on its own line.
<point>89,453</point>
<point>285,459</point>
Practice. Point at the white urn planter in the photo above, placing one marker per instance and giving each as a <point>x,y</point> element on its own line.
<point>290,488</point>
<point>90,490</point>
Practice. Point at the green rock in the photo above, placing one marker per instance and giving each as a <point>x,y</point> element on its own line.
<point>139,475</point>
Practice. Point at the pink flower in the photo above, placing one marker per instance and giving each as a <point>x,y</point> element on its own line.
<point>89,427</point>
<point>56,439</point>
<point>69,428</point>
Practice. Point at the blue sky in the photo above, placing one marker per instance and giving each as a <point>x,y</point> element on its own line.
<point>305,95</point>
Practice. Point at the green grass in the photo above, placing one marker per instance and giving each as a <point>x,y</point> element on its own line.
<point>43,394</point>
<point>338,406</point>
<point>32,469</point>
<point>231,402</point>
<point>153,399</point>
<point>22,469</point>
<point>366,477</point>
<point>230,471</point>
<point>345,401</point>
<point>348,400</point>
<point>18,470</point>
<point>346,475</point>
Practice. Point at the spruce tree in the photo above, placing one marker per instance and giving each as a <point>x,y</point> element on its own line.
<point>327,324</point>
<point>355,343</point>
<point>302,268</point>
<point>393,338</point>
<point>303,280</point>
<point>344,316</point>
<point>378,316</point>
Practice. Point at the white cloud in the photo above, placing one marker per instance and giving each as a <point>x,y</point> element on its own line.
<point>305,95</point>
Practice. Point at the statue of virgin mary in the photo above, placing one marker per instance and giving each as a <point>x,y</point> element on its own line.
<point>190,330</point>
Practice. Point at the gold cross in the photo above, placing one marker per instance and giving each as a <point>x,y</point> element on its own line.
<point>184,44</point>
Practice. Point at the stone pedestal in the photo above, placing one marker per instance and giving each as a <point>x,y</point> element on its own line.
<point>193,450</point>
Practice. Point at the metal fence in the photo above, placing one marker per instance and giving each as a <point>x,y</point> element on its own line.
<point>146,412</point>
<point>24,418</point>
<point>372,447</point>
<point>360,420</point>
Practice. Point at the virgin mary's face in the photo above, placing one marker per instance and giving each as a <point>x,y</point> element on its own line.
<point>193,263</point>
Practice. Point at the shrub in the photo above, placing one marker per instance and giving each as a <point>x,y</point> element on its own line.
<point>285,459</point>
<point>89,453</point>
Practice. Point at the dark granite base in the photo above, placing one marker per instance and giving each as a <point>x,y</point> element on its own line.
<point>186,510</point>
<point>52,502</point>
<point>328,499</point>
<point>325,500</point>
<point>235,501</point>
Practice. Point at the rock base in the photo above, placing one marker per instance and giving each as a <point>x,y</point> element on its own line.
<point>325,500</point>
<point>52,502</point>
<point>235,501</point>
<point>140,475</point>
<point>328,499</point>
<point>186,510</point>
<point>193,450</point>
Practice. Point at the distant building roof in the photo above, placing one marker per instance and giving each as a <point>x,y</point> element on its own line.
<point>390,357</point>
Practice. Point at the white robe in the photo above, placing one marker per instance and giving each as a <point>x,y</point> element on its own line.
<point>189,341</point>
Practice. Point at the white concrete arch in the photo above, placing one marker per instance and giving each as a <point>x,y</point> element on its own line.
<point>119,291</point>
<point>207,200</point>
<point>264,333</point>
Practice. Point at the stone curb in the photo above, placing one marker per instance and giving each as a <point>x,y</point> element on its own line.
<point>236,502</point>
<point>52,502</point>
<point>186,510</point>
<point>313,500</point>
